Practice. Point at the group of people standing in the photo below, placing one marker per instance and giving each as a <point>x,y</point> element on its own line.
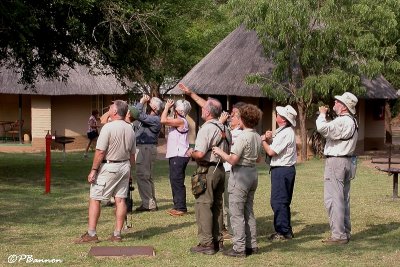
<point>227,154</point>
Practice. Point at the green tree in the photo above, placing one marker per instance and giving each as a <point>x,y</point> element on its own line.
<point>39,37</point>
<point>186,30</point>
<point>150,43</point>
<point>320,48</point>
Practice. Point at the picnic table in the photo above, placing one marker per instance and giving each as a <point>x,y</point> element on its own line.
<point>390,170</point>
<point>395,172</point>
<point>64,140</point>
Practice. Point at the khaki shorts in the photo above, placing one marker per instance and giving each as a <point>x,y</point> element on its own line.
<point>112,181</point>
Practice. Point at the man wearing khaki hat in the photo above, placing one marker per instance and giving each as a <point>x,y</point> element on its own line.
<point>282,150</point>
<point>341,138</point>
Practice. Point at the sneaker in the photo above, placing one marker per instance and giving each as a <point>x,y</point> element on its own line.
<point>208,250</point>
<point>334,241</point>
<point>251,251</point>
<point>114,238</point>
<point>278,236</point>
<point>233,253</point>
<point>143,209</point>
<point>176,213</point>
<point>86,238</point>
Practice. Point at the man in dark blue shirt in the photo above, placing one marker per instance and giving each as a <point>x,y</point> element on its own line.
<point>146,140</point>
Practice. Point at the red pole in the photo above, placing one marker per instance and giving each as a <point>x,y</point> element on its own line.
<point>48,163</point>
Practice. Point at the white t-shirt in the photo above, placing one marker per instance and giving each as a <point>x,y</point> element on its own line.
<point>284,145</point>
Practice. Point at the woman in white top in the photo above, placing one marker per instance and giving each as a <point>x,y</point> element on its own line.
<point>178,152</point>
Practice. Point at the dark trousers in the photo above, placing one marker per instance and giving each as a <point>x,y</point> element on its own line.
<point>282,185</point>
<point>177,167</point>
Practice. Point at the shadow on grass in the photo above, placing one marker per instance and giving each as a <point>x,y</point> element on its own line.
<point>265,225</point>
<point>379,237</point>
<point>376,232</point>
<point>311,230</point>
<point>154,231</point>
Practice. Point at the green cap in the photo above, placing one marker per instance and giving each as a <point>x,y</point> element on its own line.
<point>134,112</point>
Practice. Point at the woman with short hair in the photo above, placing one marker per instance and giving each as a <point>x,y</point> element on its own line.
<point>243,181</point>
<point>178,152</point>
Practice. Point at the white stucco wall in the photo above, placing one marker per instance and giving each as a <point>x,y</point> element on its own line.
<point>41,116</point>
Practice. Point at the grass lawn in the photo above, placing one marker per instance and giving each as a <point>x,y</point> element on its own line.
<point>45,226</point>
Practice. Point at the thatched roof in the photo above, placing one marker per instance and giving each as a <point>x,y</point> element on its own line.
<point>379,88</point>
<point>80,82</point>
<point>224,70</point>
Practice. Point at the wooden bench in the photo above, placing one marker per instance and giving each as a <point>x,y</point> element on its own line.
<point>390,170</point>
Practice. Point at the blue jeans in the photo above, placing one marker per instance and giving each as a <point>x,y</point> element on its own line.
<point>282,185</point>
<point>177,167</point>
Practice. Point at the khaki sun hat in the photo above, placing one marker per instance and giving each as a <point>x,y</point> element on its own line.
<point>288,113</point>
<point>349,100</point>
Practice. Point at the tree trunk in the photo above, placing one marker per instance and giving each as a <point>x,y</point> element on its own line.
<point>303,131</point>
<point>154,89</point>
<point>388,126</point>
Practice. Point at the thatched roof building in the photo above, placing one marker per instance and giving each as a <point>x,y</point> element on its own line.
<point>80,82</point>
<point>224,70</point>
<point>379,88</point>
<point>54,106</point>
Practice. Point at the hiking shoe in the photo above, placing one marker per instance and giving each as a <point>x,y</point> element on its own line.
<point>278,236</point>
<point>208,250</point>
<point>251,251</point>
<point>233,253</point>
<point>334,241</point>
<point>143,209</point>
<point>176,213</point>
<point>86,238</point>
<point>114,238</point>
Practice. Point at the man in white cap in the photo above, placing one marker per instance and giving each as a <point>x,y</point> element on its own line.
<point>282,150</point>
<point>341,138</point>
<point>147,133</point>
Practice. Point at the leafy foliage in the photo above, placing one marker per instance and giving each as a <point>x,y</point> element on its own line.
<point>151,43</point>
<point>40,36</point>
<point>321,48</point>
<point>186,31</point>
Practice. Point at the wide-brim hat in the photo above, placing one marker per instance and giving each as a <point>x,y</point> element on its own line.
<point>134,112</point>
<point>288,113</point>
<point>349,100</point>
